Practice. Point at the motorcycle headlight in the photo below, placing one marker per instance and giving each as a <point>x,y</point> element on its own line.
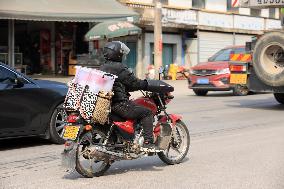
<point>223,71</point>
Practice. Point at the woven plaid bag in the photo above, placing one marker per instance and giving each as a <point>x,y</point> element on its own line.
<point>102,108</point>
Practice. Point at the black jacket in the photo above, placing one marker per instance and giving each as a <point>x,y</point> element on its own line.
<point>125,83</point>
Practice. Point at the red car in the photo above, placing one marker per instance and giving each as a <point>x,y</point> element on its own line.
<point>214,75</point>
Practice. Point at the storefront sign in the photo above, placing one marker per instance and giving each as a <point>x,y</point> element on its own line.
<point>188,17</point>
<point>248,23</point>
<point>261,3</point>
<point>216,20</point>
<point>120,25</point>
<point>272,24</point>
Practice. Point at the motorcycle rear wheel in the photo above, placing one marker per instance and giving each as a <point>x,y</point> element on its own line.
<point>181,146</point>
<point>84,166</point>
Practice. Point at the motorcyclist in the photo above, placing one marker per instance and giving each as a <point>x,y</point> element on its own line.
<point>114,53</point>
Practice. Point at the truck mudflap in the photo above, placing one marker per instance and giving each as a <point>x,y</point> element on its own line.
<point>239,68</point>
<point>256,85</point>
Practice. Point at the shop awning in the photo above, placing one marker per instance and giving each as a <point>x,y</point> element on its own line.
<point>112,29</point>
<point>65,10</point>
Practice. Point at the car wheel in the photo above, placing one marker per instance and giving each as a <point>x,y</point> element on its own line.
<point>240,90</point>
<point>57,124</point>
<point>200,92</point>
<point>279,97</point>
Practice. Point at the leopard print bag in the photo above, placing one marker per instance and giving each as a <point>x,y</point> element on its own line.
<point>88,103</point>
<point>73,96</point>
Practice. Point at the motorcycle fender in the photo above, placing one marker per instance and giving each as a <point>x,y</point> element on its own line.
<point>173,117</point>
<point>68,156</point>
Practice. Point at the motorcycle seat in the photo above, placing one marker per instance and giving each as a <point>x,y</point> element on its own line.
<point>116,118</point>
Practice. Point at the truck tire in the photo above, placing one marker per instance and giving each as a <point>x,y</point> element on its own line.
<point>279,97</point>
<point>268,58</point>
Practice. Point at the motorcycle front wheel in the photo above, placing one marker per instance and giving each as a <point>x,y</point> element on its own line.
<point>178,146</point>
<point>86,165</point>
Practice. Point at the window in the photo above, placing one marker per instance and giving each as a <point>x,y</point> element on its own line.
<point>224,54</point>
<point>239,51</point>
<point>255,12</point>
<point>230,8</point>
<point>200,4</point>
<point>165,2</point>
<point>272,13</point>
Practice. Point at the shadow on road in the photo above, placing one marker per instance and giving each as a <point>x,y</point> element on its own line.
<point>10,144</point>
<point>223,94</point>
<point>121,167</point>
<point>264,104</point>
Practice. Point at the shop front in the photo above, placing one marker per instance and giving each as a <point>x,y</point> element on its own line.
<point>172,49</point>
<point>50,40</point>
<point>178,26</point>
<point>37,43</point>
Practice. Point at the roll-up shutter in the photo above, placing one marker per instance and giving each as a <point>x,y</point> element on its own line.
<point>211,42</point>
<point>242,39</point>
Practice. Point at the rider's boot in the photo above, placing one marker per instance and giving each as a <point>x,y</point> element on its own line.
<point>150,146</point>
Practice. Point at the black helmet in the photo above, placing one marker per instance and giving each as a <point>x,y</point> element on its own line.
<point>115,51</point>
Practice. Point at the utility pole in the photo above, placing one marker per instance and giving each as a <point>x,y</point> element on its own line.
<point>158,43</point>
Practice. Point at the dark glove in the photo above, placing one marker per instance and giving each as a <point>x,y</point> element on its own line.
<point>144,85</point>
<point>159,86</point>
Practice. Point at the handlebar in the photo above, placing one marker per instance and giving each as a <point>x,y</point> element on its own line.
<point>159,86</point>
<point>166,96</point>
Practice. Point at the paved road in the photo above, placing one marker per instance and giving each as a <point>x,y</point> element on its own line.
<point>237,143</point>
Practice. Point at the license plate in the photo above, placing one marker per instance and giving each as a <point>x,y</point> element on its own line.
<point>202,81</point>
<point>238,79</point>
<point>71,132</point>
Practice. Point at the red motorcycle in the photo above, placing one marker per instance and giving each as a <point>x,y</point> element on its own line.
<point>92,148</point>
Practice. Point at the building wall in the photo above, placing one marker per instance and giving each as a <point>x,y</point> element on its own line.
<point>211,42</point>
<point>218,29</point>
<point>241,39</point>
<point>175,39</point>
<point>277,13</point>
<point>180,3</point>
<point>244,11</point>
<point>264,13</point>
<point>216,5</point>
<point>191,52</point>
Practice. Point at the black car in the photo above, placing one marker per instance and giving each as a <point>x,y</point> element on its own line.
<point>30,107</point>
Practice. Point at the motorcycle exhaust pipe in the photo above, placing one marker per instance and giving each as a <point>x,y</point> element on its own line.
<point>100,153</point>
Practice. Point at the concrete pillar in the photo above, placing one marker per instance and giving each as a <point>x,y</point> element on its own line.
<point>139,65</point>
<point>53,55</point>
<point>11,43</point>
<point>198,46</point>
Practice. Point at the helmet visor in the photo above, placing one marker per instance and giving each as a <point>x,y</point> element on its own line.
<point>124,49</point>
